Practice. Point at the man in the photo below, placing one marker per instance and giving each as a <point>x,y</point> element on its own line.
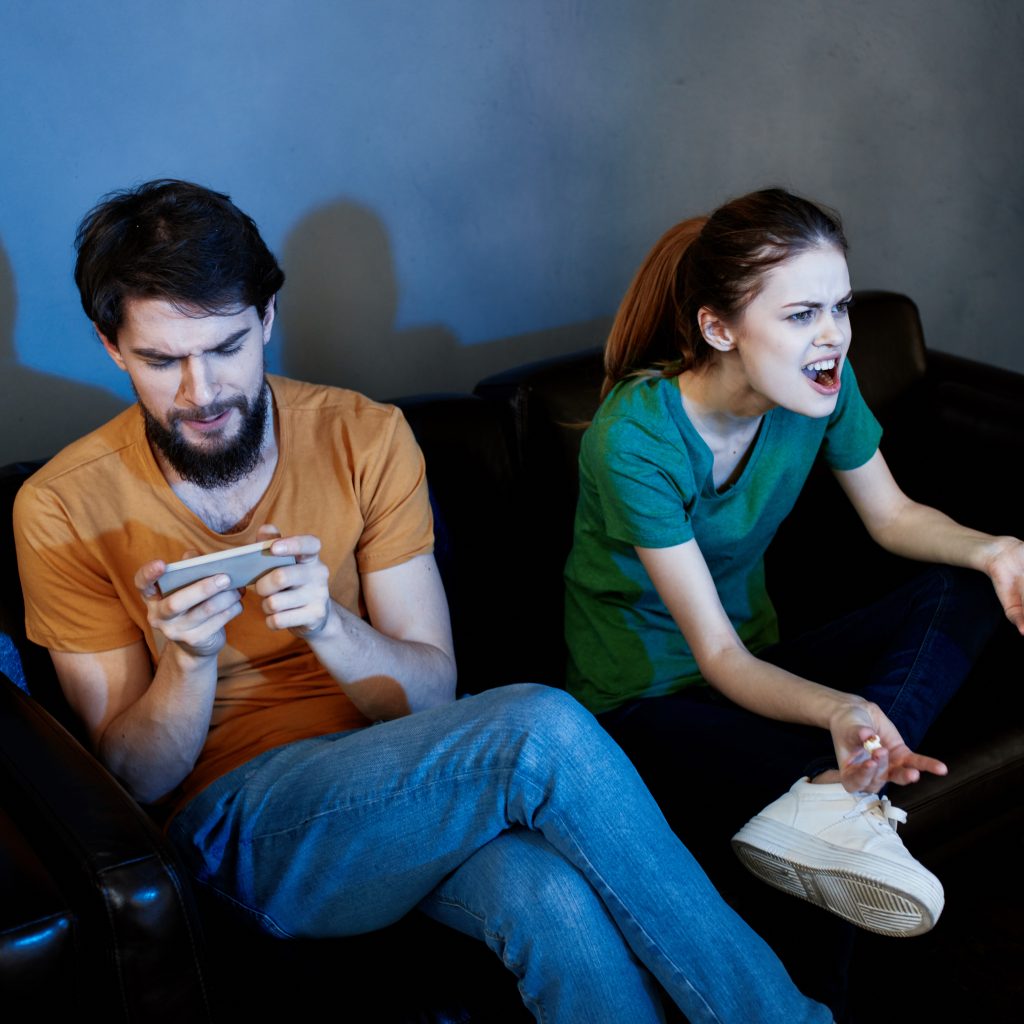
<point>242,715</point>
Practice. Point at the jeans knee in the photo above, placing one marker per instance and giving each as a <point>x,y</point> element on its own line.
<point>552,715</point>
<point>969,594</point>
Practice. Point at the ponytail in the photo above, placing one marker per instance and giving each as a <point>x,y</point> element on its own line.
<point>647,331</point>
<point>717,262</point>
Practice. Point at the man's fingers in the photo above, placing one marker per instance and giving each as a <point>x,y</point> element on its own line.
<point>147,575</point>
<point>305,573</point>
<point>184,600</point>
<point>304,547</point>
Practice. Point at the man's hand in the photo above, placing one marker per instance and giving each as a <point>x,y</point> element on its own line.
<point>1005,567</point>
<point>296,597</point>
<point>866,771</point>
<point>194,617</point>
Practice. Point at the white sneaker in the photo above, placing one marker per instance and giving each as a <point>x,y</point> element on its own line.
<point>840,851</point>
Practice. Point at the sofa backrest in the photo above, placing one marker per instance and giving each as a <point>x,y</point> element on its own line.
<point>502,467</point>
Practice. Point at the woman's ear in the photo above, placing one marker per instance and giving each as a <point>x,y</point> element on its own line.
<point>715,330</point>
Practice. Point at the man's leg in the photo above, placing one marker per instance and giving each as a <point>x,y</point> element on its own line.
<point>711,765</point>
<point>533,909</point>
<point>342,835</point>
<point>908,652</point>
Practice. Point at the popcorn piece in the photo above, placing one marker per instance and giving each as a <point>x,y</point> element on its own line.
<point>872,743</point>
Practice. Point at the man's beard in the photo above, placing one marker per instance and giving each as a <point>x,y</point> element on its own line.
<point>219,465</point>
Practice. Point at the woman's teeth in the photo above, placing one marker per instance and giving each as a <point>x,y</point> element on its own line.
<point>825,366</point>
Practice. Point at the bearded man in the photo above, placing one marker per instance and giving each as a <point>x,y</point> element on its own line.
<point>242,715</point>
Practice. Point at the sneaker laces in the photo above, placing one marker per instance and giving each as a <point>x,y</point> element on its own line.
<point>872,802</point>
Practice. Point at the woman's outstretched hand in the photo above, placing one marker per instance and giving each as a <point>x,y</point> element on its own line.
<point>1005,567</point>
<point>867,770</point>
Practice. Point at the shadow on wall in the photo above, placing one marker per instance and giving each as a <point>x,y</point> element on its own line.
<point>41,412</point>
<point>337,317</point>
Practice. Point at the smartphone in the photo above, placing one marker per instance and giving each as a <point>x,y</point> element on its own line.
<point>244,565</point>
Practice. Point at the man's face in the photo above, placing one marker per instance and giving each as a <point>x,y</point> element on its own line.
<point>200,384</point>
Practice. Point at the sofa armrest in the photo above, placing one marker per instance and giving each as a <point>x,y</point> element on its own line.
<point>139,930</point>
<point>37,934</point>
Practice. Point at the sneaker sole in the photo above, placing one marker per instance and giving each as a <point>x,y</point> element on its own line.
<point>907,903</point>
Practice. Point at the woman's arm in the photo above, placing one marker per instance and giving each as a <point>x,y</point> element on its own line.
<point>907,528</point>
<point>684,583</point>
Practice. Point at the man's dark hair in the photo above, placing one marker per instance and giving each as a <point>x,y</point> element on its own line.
<point>176,241</point>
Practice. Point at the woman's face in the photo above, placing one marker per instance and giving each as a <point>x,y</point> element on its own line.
<point>791,340</point>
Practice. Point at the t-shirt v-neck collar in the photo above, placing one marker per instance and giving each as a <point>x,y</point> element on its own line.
<point>691,436</point>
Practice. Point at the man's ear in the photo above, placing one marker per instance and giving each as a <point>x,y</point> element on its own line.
<point>716,332</point>
<point>112,350</point>
<point>268,319</point>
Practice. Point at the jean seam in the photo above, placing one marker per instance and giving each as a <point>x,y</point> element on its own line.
<point>517,967</point>
<point>925,645</point>
<point>369,801</point>
<point>584,860</point>
<point>260,915</point>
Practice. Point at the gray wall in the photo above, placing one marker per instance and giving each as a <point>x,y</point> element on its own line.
<point>457,186</point>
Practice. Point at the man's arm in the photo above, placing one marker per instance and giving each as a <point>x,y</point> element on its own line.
<point>149,727</point>
<point>912,530</point>
<point>401,661</point>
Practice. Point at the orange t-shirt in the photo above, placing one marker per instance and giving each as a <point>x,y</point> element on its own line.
<point>349,472</point>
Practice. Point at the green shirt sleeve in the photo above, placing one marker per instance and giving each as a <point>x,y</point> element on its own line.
<point>644,489</point>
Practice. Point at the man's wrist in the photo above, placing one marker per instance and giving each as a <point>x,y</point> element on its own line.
<point>186,660</point>
<point>328,630</point>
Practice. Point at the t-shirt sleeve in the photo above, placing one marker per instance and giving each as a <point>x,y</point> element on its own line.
<point>641,502</point>
<point>853,433</point>
<point>70,602</point>
<point>398,524</point>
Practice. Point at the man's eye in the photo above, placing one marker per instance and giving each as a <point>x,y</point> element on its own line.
<point>159,364</point>
<point>229,351</point>
<point>803,317</point>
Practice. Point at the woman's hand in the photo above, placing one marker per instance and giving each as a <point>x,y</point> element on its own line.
<point>1005,567</point>
<point>863,770</point>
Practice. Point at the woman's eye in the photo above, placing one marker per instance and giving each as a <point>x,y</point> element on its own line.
<point>842,308</point>
<point>803,317</point>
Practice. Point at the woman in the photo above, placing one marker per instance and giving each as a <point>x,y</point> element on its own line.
<point>726,376</point>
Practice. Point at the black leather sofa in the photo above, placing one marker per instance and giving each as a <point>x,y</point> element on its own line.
<point>95,912</point>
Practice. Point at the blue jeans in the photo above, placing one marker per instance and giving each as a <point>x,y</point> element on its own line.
<point>510,816</point>
<point>908,652</point>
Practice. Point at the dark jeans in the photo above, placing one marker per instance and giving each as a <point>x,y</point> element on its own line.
<point>711,765</point>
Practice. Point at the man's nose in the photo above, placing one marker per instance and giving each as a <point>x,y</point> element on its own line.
<point>196,387</point>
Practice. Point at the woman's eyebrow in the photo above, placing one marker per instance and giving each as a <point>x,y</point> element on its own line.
<point>818,305</point>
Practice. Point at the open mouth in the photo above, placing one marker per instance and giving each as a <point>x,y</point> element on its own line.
<point>207,424</point>
<point>824,373</point>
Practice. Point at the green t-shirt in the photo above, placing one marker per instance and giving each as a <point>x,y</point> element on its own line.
<point>646,481</point>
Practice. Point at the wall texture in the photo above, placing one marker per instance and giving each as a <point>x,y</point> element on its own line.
<point>458,186</point>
